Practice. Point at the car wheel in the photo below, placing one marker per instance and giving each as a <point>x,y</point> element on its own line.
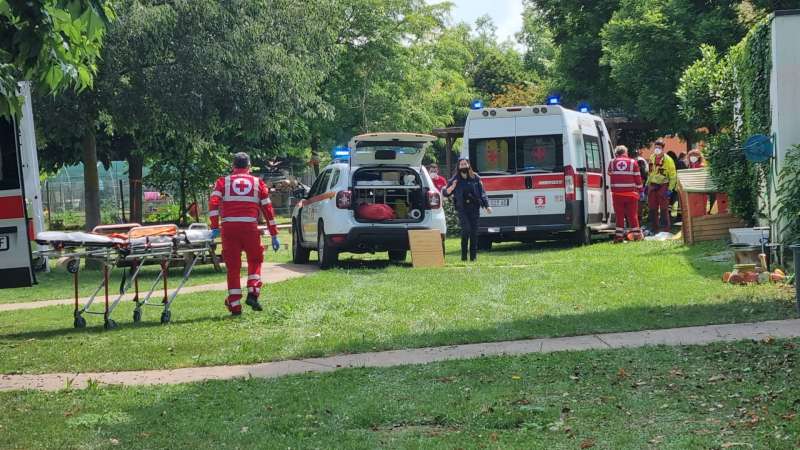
<point>397,256</point>
<point>328,257</point>
<point>300,254</point>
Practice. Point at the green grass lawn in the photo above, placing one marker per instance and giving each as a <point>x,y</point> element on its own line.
<point>57,284</point>
<point>514,292</point>
<point>723,396</point>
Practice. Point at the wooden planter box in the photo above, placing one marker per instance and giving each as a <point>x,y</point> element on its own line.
<point>700,224</point>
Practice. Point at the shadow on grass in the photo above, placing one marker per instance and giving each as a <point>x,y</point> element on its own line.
<point>97,327</point>
<point>609,321</point>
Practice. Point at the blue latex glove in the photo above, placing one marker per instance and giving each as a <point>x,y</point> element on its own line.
<point>214,233</point>
<point>276,244</point>
<point>667,193</point>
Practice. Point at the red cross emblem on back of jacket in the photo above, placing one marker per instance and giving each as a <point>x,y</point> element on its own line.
<point>242,186</point>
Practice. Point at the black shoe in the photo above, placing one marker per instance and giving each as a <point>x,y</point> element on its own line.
<point>236,313</point>
<point>252,301</point>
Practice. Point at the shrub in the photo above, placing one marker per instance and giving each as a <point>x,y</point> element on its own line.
<point>789,196</point>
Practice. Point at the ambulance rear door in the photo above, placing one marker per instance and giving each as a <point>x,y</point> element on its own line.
<point>540,163</point>
<point>491,145</point>
<point>594,179</point>
<point>15,251</point>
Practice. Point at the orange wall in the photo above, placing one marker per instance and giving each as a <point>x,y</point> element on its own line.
<point>671,143</point>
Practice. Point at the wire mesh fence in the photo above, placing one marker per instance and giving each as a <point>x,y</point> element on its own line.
<point>64,199</point>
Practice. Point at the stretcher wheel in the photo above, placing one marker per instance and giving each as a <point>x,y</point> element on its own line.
<point>73,265</point>
<point>166,316</point>
<point>137,316</point>
<point>79,321</point>
<point>109,324</point>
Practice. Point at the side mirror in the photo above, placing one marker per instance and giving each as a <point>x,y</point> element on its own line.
<point>300,192</point>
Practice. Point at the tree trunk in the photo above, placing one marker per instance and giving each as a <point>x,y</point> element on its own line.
<point>91,180</point>
<point>135,169</point>
<point>182,195</point>
<point>315,154</point>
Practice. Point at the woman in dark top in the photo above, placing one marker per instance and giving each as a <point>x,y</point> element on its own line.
<point>469,197</point>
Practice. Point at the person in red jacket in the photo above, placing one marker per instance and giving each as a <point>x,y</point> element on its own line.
<point>236,202</point>
<point>438,180</point>
<point>696,160</point>
<point>626,183</point>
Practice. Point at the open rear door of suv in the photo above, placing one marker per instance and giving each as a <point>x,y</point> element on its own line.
<point>395,149</point>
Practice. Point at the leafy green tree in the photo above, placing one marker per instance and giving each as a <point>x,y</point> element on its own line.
<point>54,43</point>
<point>576,70</point>
<point>537,38</point>
<point>648,43</point>
<point>392,71</point>
<point>207,76</point>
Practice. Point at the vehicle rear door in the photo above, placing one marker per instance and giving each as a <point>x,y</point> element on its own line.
<point>15,250</point>
<point>396,149</point>
<point>607,154</point>
<point>594,180</point>
<point>540,164</point>
<point>491,151</point>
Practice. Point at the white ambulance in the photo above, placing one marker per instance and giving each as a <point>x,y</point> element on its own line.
<point>544,171</point>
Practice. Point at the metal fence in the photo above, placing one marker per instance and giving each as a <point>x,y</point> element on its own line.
<point>64,201</point>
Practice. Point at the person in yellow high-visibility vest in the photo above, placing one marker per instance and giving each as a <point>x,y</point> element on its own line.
<point>660,184</point>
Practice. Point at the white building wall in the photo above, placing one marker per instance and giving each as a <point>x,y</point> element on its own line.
<point>784,92</point>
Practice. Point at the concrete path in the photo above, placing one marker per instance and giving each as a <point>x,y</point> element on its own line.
<point>270,272</point>
<point>674,336</point>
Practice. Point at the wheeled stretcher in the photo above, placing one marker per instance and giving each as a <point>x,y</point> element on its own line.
<point>130,246</point>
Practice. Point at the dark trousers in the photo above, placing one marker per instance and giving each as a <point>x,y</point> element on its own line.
<point>468,220</point>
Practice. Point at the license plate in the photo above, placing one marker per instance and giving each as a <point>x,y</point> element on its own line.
<point>4,242</point>
<point>498,202</point>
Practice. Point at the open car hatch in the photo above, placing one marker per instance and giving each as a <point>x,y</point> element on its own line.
<point>396,149</point>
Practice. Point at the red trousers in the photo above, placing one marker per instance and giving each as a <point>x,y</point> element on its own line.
<point>626,209</point>
<point>238,237</point>
<point>658,206</point>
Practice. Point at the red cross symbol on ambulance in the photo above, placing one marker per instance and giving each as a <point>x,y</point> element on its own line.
<point>540,201</point>
<point>242,186</point>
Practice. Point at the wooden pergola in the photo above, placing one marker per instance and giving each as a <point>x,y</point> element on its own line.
<point>449,135</point>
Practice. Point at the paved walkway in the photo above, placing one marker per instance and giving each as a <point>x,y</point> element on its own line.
<point>271,273</point>
<point>674,336</point>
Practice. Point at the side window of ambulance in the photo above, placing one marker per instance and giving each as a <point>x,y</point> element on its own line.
<point>492,156</point>
<point>540,154</point>
<point>594,160</point>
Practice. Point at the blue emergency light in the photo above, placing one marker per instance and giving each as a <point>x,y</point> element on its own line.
<point>584,107</point>
<point>476,104</point>
<point>341,152</point>
<point>554,99</point>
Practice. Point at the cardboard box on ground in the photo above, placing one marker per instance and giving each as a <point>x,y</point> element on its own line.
<point>426,248</point>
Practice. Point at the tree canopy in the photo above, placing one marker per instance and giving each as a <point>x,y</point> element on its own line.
<point>54,43</point>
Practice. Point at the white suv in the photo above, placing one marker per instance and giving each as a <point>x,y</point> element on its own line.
<point>367,200</point>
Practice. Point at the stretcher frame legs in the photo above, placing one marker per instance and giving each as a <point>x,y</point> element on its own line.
<point>132,279</point>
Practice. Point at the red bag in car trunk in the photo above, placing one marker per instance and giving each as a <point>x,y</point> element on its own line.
<point>377,211</point>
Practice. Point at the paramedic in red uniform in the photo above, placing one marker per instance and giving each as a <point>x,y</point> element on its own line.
<point>626,183</point>
<point>236,201</point>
